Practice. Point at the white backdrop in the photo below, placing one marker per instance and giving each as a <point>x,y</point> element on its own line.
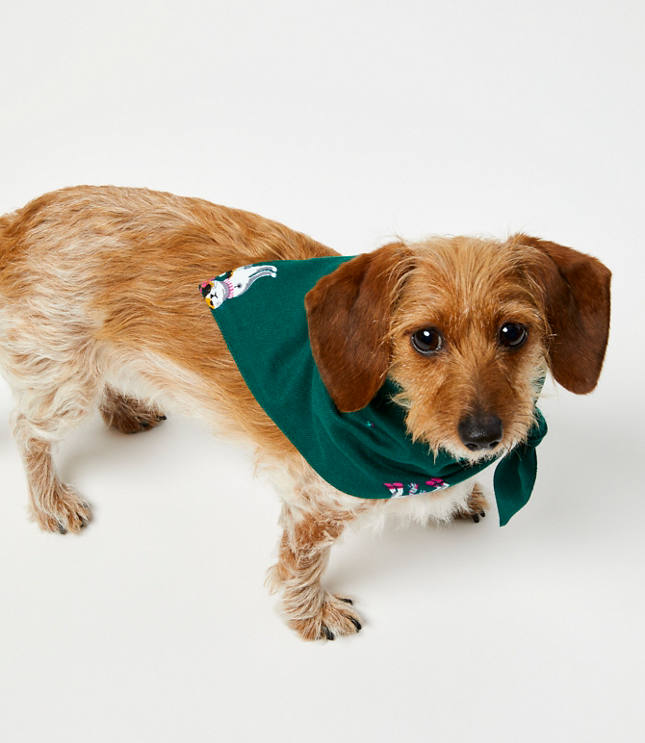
<point>351,121</point>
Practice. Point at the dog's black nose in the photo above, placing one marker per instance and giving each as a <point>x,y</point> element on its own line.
<point>480,431</point>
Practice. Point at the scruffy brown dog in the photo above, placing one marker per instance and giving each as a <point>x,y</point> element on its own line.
<point>98,307</point>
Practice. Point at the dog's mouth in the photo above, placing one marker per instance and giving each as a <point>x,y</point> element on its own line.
<point>474,457</point>
<point>513,437</point>
<point>457,450</point>
<point>455,447</point>
<point>483,435</point>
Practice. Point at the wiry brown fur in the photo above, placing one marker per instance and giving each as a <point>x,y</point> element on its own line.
<point>127,414</point>
<point>98,307</point>
<point>468,288</point>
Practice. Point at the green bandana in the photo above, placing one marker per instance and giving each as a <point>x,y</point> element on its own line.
<point>368,453</point>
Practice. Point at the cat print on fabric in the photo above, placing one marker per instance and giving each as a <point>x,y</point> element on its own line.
<point>233,283</point>
<point>399,490</point>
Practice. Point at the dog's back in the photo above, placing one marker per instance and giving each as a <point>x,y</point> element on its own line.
<point>99,306</point>
<point>88,267</point>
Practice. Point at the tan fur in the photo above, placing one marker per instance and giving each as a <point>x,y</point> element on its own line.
<point>99,308</point>
<point>468,288</point>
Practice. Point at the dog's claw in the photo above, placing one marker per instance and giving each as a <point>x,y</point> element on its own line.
<point>347,601</point>
<point>476,518</point>
<point>61,529</point>
<point>356,624</point>
<point>327,632</point>
<point>482,514</point>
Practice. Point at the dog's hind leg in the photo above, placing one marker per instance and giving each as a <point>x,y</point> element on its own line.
<point>43,415</point>
<point>127,414</point>
<point>55,506</point>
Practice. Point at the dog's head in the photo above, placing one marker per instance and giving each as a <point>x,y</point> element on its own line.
<point>467,328</point>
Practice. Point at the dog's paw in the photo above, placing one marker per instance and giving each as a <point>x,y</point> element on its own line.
<point>476,505</point>
<point>66,512</point>
<point>336,617</point>
<point>144,420</point>
<point>128,415</point>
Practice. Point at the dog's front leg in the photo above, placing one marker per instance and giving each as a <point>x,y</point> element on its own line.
<point>304,552</point>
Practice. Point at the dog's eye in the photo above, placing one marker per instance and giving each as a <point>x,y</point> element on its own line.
<point>513,334</point>
<point>426,341</point>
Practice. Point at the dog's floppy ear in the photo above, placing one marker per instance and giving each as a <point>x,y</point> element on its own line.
<point>576,292</point>
<point>348,312</point>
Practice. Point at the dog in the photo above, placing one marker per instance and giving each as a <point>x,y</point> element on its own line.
<point>99,308</point>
